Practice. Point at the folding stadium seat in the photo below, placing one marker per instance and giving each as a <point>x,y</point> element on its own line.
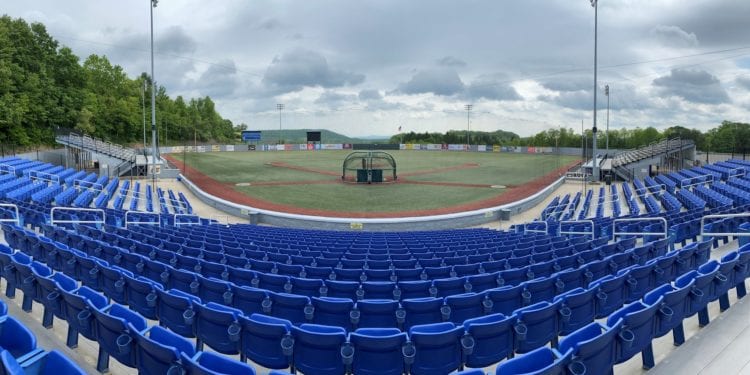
<point>9,271</point>
<point>593,348</point>
<point>702,253</point>
<point>416,289</point>
<point>514,276</point>
<point>460,307</point>
<point>247,299</point>
<point>272,282</point>
<point>218,327</point>
<point>16,338</point>
<point>77,308</point>
<point>319,349</point>
<point>214,290</point>
<point>582,306</point>
<point>266,341</point>
<point>637,331</point>
<point>306,287</point>
<point>115,335</point>
<point>727,268</point>
<point>113,283</point>
<point>438,272</point>
<point>518,261</point>
<point>409,274</point>
<point>492,337</point>
<point>611,293</point>
<point>50,295</point>
<point>377,351</point>
<point>214,270</point>
<point>673,307</point>
<point>377,313</point>
<point>332,311</point>
<point>186,281</point>
<point>207,363</point>
<point>641,279</point>
<point>158,350</point>
<point>494,266</point>
<point>321,273</point>
<point>742,270</point>
<point>619,262</point>
<point>539,324</point>
<point>436,349</point>
<point>291,307</point>
<point>342,289</point>
<point>507,299</point>
<point>27,275</point>
<point>480,283</point>
<point>380,290</point>
<point>664,268</point>
<point>175,311</point>
<point>404,263</point>
<point>540,361</point>
<point>241,276</point>
<point>542,289</point>
<point>420,311</point>
<point>384,274</point>
<point>451,286</point>
<point>142,295</point>
<point>40,363</point>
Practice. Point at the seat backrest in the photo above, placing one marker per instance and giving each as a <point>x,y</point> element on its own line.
<point>378,351</point>
<point>493,339</point>
<point>261,336</point>
<point>317,349</point>
<point>437,348</point>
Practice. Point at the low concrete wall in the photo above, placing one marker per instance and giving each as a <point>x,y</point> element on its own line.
<point>447,221</point>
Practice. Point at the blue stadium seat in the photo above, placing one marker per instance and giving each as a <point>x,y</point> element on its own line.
<point>318,349</point>
<point>77,308</point>
<point>142,295</point>
<point>416,289</point>
<point>378,351</point>
<point>41,363</point>
<point>218,327</point>
<point>582,305</point>
<point>207,363</point>
<point>611,293</point>
<point>247,299</point>
<point>267,341</point>
<point>377,313</point>
<point>342,289</point>
<point>593,348</point>
<point>636,332</point>
<point>421,311</point>
<point>436,349</point>
<point>15,338</point>
<point>507,299</point>
<point>51,296</point>
<point>492,337</point>
<point>542,361</point>
<point>288,306</point>
<point>380,290</point>
<point>116,328</point>
<point>464,306</point>
<point>673,302</point>
<point>175,311</point>
<point>539,324</point>
<point>158,350</point>
<point>332,311</point>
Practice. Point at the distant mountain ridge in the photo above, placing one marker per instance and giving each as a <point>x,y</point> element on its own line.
<point>326,136</point>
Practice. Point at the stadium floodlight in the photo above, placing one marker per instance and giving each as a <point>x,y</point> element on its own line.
<point>595,167</point>
<point>468,108</point>
<point>152,4</point>
<point>280,107</point>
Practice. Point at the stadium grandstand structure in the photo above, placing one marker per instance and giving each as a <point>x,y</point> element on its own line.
<point>542,297</point>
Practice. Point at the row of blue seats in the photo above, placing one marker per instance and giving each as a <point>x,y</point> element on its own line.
<point>19,354</point>
<point>524,320</point>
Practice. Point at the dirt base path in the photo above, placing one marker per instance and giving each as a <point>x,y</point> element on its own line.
<point>226,191</point>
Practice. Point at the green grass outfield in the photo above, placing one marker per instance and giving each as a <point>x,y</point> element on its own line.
<point>507,169</point>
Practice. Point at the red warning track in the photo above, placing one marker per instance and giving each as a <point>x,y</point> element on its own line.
<point>227,192</point>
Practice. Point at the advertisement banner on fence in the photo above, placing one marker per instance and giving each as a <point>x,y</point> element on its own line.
<point>230,148</point>
<point>495,148</point>
<point>176,149</point>
<point>347,146</point>
<point>453,147</point>
<point>279,147</point>
<point>251,147</point>
<point>201,148</point>
<point>434,147</point>
<point>332,146</point>
<point>482,148</point>
<point>215,148</point>
<point>402,146</point>
<point>289,147</point>
<point>531,150</point>
<point>444,146</point>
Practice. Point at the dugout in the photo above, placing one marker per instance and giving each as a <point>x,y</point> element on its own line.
<point>369,167</point>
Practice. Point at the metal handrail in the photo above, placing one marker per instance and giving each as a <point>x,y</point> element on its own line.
<point>592,232</point>
<point>177,224</point>
<point>158,218</point>
<point>54,209</point>
<point>17,219</point>
<point>37,177</point>
<point>526,230</point>
<point>91,185</point>
<point>7,168</point>
<point>217,217</point>
<point>696,181</point>
<point>616,233</point>
<point>722,216</point>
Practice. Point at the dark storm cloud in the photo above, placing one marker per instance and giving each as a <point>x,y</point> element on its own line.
<point>714,22</point>
<point>335,100</point>
<point>302,68</point>
<point>374,101</point>
<point>451,61</point>
<point>693,85</point>
<point>174,40</point>
<point>442,82</point>
<point>370,94</point>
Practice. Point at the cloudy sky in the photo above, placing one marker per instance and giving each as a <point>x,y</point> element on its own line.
<point>365,67</point>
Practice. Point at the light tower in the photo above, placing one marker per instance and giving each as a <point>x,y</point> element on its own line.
<point>280,107</point>
<point>468,108</point>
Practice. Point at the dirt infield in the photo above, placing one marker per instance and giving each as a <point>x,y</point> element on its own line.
<point>227,192</point>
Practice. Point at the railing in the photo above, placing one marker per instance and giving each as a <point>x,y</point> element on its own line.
<point>527,230</point>
<point>36,176</point>
<point>572,222</point>
<point>5,168</point>
<point>616,232</point>
<point>722,234</point>
<point>53,221</point>
<point>178,223</point>
<point>215,219</point>
<point>16,219</point>
<point>141,213</point>
<point>88,185</point>
<point>697,180</point>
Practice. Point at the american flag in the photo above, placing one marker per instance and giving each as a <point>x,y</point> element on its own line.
<point>399,128</point>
